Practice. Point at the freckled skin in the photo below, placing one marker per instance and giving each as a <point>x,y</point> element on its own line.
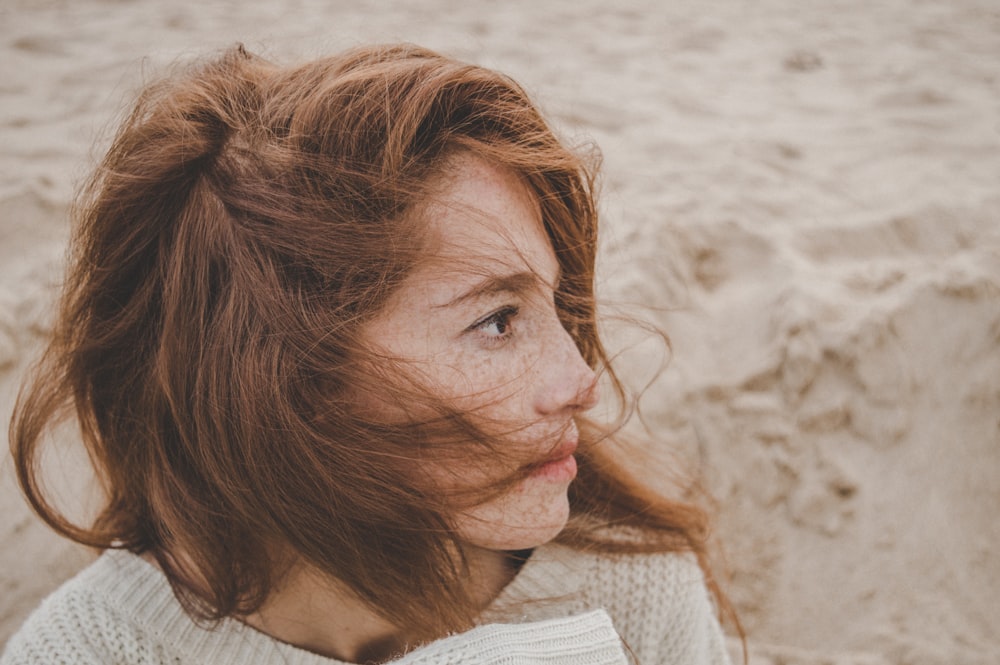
<point>503,354</point>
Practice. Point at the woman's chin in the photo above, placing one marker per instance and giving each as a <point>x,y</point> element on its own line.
<point>515,527</point>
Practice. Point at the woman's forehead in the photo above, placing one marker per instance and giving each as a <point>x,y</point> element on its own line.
<point>487,217</point>
<point>484,236</point>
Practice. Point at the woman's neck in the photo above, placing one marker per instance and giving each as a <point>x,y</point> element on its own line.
<point>313,613</point>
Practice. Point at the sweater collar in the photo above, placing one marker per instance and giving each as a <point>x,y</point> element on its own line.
<point>545,633</point>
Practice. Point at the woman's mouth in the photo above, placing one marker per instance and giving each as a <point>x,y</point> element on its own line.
<point>560,466</point>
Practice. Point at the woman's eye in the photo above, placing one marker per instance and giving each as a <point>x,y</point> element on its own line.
<point>496,327</point>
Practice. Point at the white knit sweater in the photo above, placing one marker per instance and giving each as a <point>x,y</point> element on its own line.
<point>571,608</point>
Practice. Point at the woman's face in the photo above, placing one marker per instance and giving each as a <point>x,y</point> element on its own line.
<point>477,324</point>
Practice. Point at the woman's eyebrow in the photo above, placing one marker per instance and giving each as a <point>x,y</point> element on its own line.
<point>516,283</point>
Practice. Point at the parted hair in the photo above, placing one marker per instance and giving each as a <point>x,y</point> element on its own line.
<point>246,222</point>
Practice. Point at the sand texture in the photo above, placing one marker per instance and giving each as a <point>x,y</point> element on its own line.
<point>804,195</point>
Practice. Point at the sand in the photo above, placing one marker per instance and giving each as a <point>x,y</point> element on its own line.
<point>804,195</point>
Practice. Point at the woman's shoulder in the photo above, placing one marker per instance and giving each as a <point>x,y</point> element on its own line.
<point>569,577</point>
<point>121,609</point>
<point>659,580</point>
<point>73,623</point>
<point>658,601</point>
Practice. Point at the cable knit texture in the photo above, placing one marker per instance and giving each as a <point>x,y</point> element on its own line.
<point>563,608</point>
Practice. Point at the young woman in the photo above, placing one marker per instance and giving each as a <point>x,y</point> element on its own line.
<point>329,332</point>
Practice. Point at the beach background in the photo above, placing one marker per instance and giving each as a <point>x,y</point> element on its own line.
<point>804,195</point>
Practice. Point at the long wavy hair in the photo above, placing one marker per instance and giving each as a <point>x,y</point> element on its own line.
<point>246,222</point>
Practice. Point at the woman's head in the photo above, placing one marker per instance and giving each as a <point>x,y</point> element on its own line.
<point>241,333</point>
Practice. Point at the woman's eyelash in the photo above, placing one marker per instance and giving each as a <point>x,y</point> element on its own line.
<point>499,321</point>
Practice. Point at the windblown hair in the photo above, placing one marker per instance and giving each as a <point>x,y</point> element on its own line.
<point>245,224</point>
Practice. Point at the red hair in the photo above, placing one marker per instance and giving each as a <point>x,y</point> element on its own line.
<point>246,222</point>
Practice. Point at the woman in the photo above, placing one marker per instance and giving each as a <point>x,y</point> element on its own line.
<point>329,332</point>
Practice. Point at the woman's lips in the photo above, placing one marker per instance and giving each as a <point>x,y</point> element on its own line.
<point>560,465</point>
<point>560,470</point>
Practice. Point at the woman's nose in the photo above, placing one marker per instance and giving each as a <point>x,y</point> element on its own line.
<point>568,382</point>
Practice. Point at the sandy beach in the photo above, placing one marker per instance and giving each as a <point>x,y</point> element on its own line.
<point>805,196</point>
